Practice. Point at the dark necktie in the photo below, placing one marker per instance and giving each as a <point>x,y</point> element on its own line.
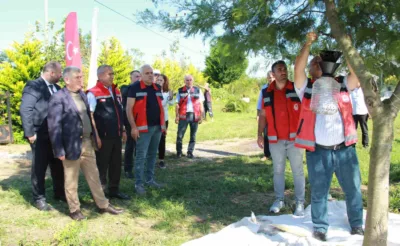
<point>52,88</point>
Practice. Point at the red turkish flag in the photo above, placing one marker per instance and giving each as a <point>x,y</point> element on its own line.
<point>71,37</point>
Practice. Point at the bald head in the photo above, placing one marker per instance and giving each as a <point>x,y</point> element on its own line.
<point>314,68</point>
<point>189,80</point>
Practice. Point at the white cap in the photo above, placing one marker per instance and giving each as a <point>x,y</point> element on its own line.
<point>156,71</point>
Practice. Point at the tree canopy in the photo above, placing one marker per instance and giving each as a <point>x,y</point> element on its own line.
<point>221,67</point>
<point>277,28</point>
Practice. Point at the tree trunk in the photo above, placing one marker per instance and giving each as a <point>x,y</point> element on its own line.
<point>383,115</point>
<point>378,180</point>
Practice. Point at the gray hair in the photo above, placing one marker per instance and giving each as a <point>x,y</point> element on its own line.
<point>187,76</point>
<point>68,71</point>
<point>102,69</point>
<point>51,66</point>
<point>145,66</point>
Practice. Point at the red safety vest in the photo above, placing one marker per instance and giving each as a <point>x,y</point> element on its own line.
<point>139,109</point>
<point>293,107</point>
<point>305,134</point>
<point>195,97</point>
<point>108,113</point>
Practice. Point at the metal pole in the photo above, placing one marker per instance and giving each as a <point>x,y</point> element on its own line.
<point>9,117</point>
<point>46,19</point>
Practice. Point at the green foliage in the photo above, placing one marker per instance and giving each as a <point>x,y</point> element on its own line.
<point>120,60</point>
<point>24,62</point>
<point>224,66</point>
<point>277,29</point>
<point>236,105</point>
<point>176,71</point>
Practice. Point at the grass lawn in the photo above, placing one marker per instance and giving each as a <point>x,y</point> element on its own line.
<point>202,196</point>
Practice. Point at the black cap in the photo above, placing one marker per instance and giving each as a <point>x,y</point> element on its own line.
<point>328,64</point>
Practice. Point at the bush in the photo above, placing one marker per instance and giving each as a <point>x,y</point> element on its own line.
<point>236,105</point>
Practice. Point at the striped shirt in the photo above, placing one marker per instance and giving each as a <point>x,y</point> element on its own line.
<point>329,129</point>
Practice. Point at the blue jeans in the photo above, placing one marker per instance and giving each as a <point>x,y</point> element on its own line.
<point>279,152</point>
<point>321,165</point>
<point>146,151</point>
<point>182,126</point>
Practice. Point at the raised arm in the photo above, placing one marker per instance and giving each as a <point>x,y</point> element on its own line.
<point>302,59</point>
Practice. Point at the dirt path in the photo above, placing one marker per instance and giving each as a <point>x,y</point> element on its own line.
<point>16,158</point>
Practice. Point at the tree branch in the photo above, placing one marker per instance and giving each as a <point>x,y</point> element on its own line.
<point>292,16</point>
<point>353,57</point>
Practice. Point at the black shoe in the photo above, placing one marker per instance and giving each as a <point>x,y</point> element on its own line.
<point>129,175</point>
<point>43,206</point>
<point>60,198</point>
<point>319,235</point>
<point>190,155</point>
<point>120,195</point>
<point>162,165</point>
<point>357,231</point>
<point>77,215</point>
<point>178,155</point>
<point>111,210</point>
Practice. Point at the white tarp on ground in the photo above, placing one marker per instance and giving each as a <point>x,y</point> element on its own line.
<point>245,231</point>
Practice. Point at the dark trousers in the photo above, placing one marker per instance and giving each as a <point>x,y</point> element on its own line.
<point>161,146</point>
<point>108,158</point>
<point>42,156</point>
<point>182,126</point>
<point>208,108</point>
<point>363,121</point>
<point>267,153</point>
<point>130,147</point>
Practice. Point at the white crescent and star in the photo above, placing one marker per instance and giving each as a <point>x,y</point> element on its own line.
<point>75,50</point>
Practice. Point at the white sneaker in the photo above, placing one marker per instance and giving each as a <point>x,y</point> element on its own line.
<point>277,206</point>
<point>299,211</point>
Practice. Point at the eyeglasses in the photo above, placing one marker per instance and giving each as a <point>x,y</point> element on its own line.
<point>156,74</point>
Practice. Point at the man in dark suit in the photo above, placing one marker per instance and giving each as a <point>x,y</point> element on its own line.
<point>130,143</point>
<point>33,111</point>
<point>105,104</point>
<point>71,127</point>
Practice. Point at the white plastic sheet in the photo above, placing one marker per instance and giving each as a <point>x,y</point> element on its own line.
<point>244,232</point>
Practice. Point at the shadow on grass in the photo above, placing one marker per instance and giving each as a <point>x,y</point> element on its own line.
<point>218,152</point>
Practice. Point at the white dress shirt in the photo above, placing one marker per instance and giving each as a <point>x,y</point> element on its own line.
<point>329,129</point>
<point>358,102</point>
<point>49,87</point>
<point>166,103</point>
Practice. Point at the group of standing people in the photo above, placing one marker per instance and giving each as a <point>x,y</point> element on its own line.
<point>288,126</point>
<point>70,129</point>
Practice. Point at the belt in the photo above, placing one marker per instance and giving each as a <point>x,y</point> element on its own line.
<point>332,147</point>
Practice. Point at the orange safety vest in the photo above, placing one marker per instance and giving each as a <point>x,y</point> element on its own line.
<point>293,104</point>
<point>305,134</point>
<point>195,97</point>
<point>139,110</point>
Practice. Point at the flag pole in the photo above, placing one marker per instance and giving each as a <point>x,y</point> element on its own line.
<point>46,19</point>
<point>93,56</point>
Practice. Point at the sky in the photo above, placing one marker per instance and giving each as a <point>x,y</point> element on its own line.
<point>17,17</point>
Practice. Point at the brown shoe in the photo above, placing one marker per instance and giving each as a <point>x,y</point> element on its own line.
<point>77,215</point>
<point>111,210</point>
